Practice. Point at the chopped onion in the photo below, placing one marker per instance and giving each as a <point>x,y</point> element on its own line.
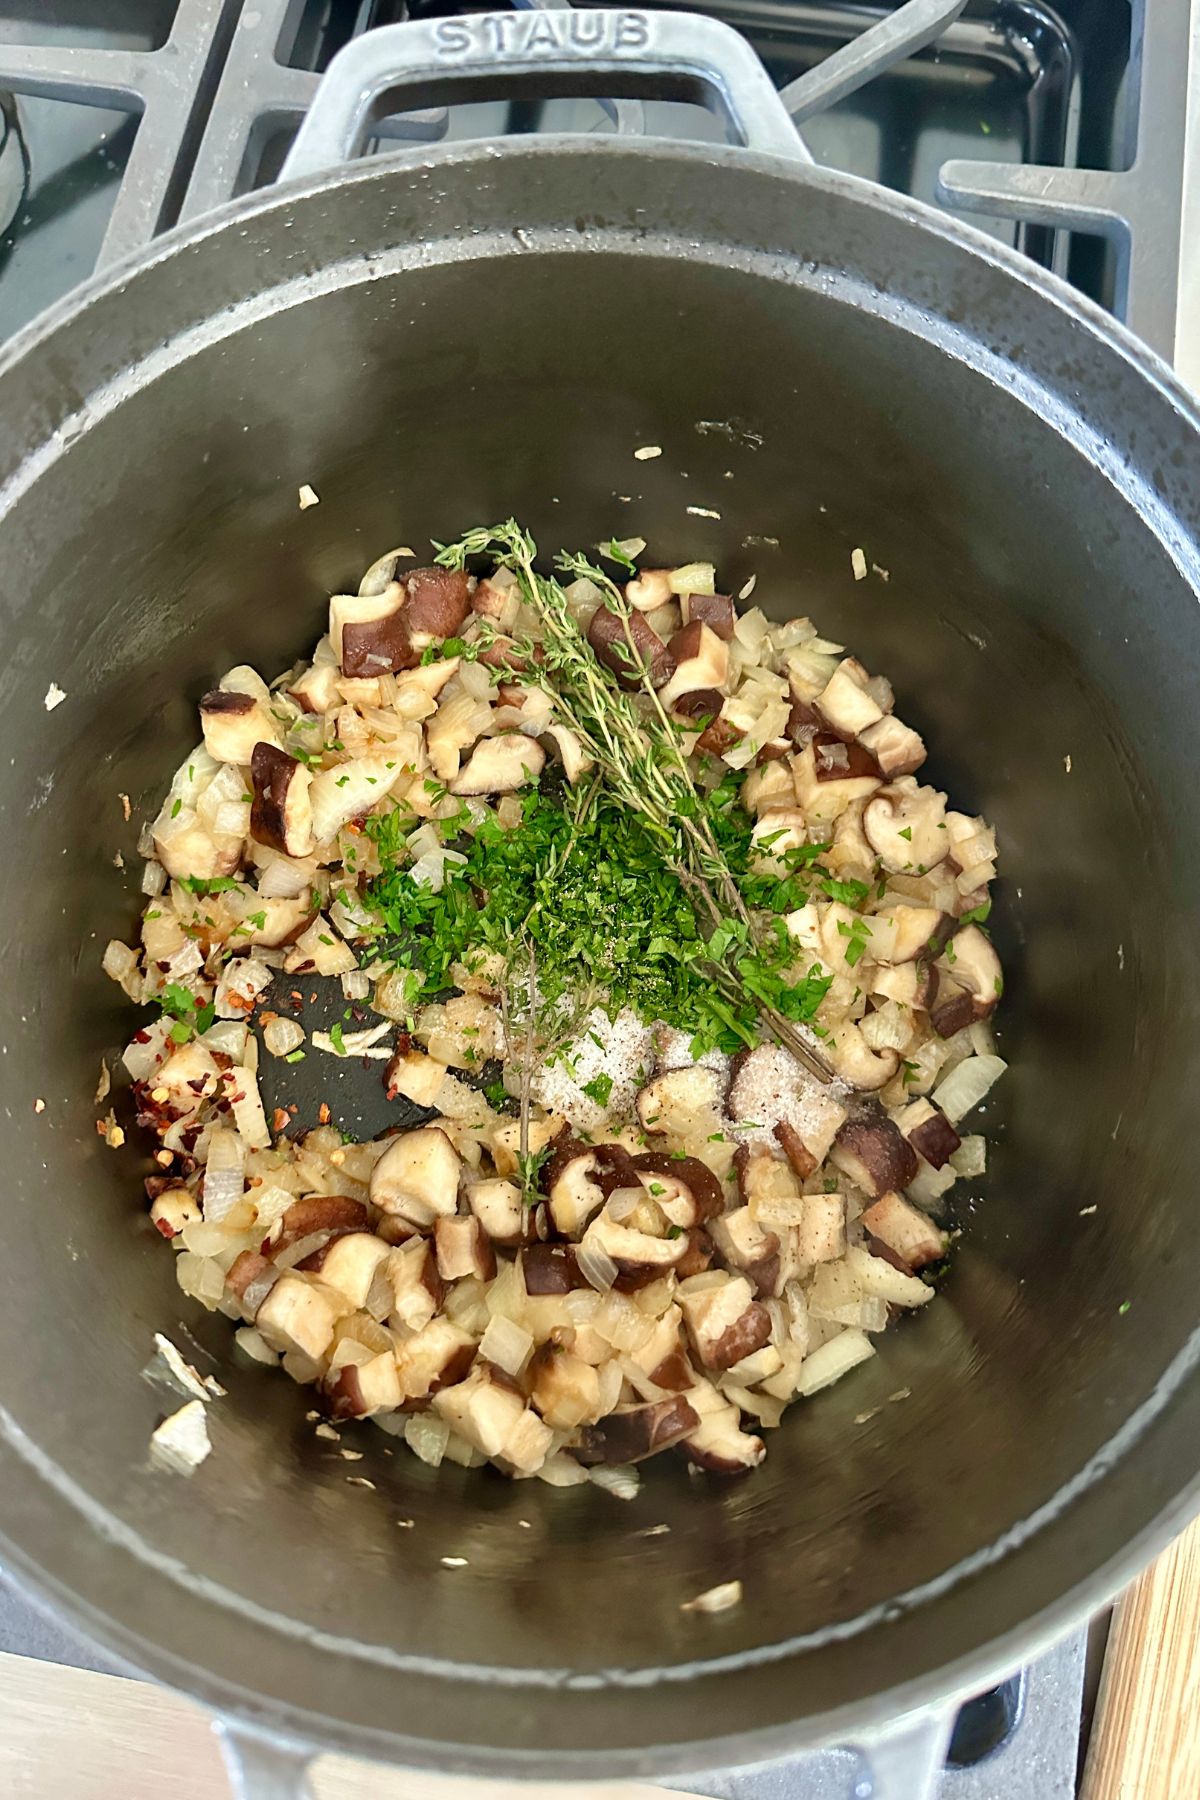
<point>623,1482</point>
<point>141,1059</point>
<point>154,878</point>
<point>624,1201</point>
<point>282,1036</point>
<point>562,1471</point>
<point>247,1108</point>
<point>427,1435</point>
<point>258,1288</point>
<point>355,1043</point>
<point>223,1190</point>
<point>119,961</point>
<point>929,1184</point>
<point>227,1038</point>
<point>715,1599</point>
<point>300,1248</point>
<point>283,878</point>
<point>255,1345</point>
<point>242,980</point>
<point>970,1158</point>
<point>596,1266</point>
<point>200,1276</point>
<point>833,1360</point>
<point>382,572</point>
<point>622,1323</point>
<point>181,1442</point>
<point>966,1086</point>
<point>694,578</point>
<point>356,985</point>
<point>506,1344</point>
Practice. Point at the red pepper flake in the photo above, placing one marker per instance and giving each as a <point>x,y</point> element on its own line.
<point>279,1120</point>
<point>323,1114</point>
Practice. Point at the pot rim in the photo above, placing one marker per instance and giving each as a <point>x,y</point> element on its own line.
<point>970,1671</point>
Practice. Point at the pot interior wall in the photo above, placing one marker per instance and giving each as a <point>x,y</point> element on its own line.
<point>1038,636</point>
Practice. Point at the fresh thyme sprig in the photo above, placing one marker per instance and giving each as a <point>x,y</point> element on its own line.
<point>636,746</point>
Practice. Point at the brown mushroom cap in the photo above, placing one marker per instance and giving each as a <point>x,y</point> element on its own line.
<point>836,760</point>
<point>707,1196</point>
<point>437,601</point>
<point>714,610</point>
<point>875,1154</point>
<point>319,1212</point>
<point>934,1138</point>
<point>634,1432</point>
<point>794,1148</point>
<point>609,639</point>
<point>224,700</point>
<point>550,1269</point>
<point>280,816</point>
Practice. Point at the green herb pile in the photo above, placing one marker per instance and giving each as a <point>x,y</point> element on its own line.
<point>634,890</point>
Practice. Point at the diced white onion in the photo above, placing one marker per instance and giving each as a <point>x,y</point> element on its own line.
<point>966,1086</point>
<point>223,1190</point>
<point>227,1037</point>
<point>694,578</point>
<point>282,1036</point>
<point>427,1435</point>
<point>356,985</point>
<point>255,1345</point>
<point>118,960</point>
<point>247,1108</point>
<point>302,1247</point>
<point>622,1482</point>
<point>970,1159</point>
<point>596,1266</point>
<point>154,878</point>
<point>624,1201</point>
<point>506,1344</point>
<point>833,1360</point>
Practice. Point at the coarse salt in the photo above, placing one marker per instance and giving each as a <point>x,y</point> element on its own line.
<point>621,1049</point>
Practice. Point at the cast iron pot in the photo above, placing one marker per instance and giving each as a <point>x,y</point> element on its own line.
<point>492,328</point>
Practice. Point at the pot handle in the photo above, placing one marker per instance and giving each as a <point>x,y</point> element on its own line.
<point>675,56</point>
<point>904,1760</point>
<point>262,1767</point>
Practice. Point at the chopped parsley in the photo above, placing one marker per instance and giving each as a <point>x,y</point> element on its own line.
<point>599,1089</point>
<point>337,1039</point>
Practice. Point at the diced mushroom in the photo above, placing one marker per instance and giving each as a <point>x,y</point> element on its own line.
<point>684,1189</point>
<point>281,812</point>
<point>875,1155</point>
<point>417,1176</point>
<point>436,1356</point>
<point>498,1206</point>
<point>902,933</point>
<point>845,703</point>
<point>317,691</point>
<point>680,1101</point>
<point>414,1075</point>
<point>500,765</point>
<point>417,1288</point>
<point>719,1444</point>
<point>233,723</point>
<point>550,1269</point>
<point>714,610</point>
<point>724,1321</point>
<point>498,598</point>
<point>349,1265</point>
<point>564,1388</point>
<point>463,1248</point>
<point>795,1149</point>
<point>929,1132</point>
<point>505,1141</point>
<point>897,748</point>
<point>639,1257</point>
<point>485,1409</point>
<point>879,1276</point>
<point>298,1314</point>
<point>952,1008</point>
<point>768,787</point>
<point>820,1236</point>
<point>610,635</point>
<point>360,1389</point>
<point>650,590</point>
<point>701,663</point>
<point>576,761</point>
<point>174,1208</point>
<point>905,1229</point>
<point>720,735</point>
<point>574,1186</point>
<point>319,1213</point>
<point>371,633</point>
<point>857,1063</point>
<point>634,1432</point>
<point>437,602</point>
<point>743,1244</point>
<point>911,984</point>
<point>904,826</point>
<point>970,961</point>
<point>250,1279</point>
<point>776,832</point>
<point>764,1178</point>
<point>830,774</point>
